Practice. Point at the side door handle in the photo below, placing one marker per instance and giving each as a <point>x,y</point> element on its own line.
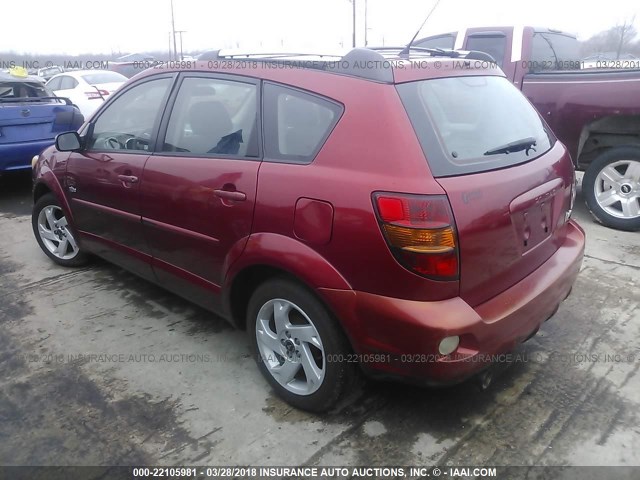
<point>230,195</point>
<point>128,178</point>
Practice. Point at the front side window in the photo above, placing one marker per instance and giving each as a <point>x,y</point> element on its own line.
<point>128,122</point>
<point>54,83</point>
<point>68,83</point>
<point>213,117</point>
<point>296,123</point>
<point>473,124</point>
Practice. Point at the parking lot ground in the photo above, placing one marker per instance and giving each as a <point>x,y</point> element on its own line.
<point>98,367</point>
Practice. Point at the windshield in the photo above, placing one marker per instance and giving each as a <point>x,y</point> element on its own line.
<point>103,77</point>
<point>473,124</point>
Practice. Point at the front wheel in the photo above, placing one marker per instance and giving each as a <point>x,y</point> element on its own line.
<point>53,233</point>
<point>611,188</point>
<point>299,348</point>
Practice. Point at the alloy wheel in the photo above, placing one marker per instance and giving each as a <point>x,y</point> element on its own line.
<point>290,347</point>
<point>54,232</point>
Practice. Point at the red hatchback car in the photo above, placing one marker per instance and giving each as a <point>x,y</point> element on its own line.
<point>405,214</point>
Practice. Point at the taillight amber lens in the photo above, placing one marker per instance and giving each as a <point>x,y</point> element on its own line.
<point>421,240</point>
<point>420,231</point>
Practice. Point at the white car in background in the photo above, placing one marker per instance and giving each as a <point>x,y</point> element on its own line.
<point>87,89</point>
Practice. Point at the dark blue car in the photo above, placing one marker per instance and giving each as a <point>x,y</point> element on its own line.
<point>30,119</point>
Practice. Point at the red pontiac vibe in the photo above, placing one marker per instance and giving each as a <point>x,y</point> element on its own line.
<point>410,212</point>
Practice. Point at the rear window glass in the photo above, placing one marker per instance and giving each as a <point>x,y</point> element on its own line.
<point>103,77</point>
<point>446,42</point>
<point>473,124</point>
<point>129,70</point>
<point>296,124</point>
<point>494,45</point>
<point>23,90</point>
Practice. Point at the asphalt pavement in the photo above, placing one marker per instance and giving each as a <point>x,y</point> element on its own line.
<point>99,367</point>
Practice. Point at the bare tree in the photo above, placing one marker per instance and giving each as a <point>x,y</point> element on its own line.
<point>616,40</point>
<point>626,33</point>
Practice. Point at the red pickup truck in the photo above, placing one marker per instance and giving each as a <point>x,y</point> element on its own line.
<point>594,112</point>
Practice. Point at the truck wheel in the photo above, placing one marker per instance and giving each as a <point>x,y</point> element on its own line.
<point>298,346</point>
<point>611,187</point>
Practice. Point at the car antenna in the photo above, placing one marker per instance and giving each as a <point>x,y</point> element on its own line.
<point>407,49</point>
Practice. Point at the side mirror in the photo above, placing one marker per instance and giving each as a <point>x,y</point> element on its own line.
<point>68,142</point>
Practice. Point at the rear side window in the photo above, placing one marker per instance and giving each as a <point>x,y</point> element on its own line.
<point>473,124</point>
<point>494,45</point>
<point>296,124</point>
<point>554,51</point>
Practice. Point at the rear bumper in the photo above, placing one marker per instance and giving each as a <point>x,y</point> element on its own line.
<point>400,338</point>
<point>17,156</point>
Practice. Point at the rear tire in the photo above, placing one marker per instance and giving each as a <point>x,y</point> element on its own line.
<point>299,348</point>
<point>53,233</point>
<point>611,188</point>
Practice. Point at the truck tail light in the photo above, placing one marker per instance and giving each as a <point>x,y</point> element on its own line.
<point>420,231</point>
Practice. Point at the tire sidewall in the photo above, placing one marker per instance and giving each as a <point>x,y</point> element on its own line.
<point>333,342</point>
<point>50,200</point>
<point>589,180</point>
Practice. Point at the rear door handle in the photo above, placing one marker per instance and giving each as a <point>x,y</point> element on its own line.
<point>128,178</point>
<point>231,195</point>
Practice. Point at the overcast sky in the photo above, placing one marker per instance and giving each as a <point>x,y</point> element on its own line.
<point>80,26</point>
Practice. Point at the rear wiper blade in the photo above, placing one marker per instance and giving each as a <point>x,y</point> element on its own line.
<point>517,146</point>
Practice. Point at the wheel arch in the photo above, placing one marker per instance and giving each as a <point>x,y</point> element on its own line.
<point>268,256</point>
<point>606,133</point>
<point>47,182</point>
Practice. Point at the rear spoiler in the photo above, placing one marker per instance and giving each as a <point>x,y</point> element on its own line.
<point>35,99</point>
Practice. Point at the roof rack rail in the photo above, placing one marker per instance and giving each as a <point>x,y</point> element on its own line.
<point>352,64</point>
<point>434,52</point>
<point>238,54</point>
<point>441,52</point>
<point>367,63</point>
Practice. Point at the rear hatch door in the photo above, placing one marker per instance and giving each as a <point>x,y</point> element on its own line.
<point>509,221</point>
<point>507,178</point>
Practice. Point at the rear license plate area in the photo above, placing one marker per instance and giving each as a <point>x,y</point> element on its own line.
<point>533,225</point>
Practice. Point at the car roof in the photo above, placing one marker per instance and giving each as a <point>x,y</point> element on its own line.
<point>378,64</point>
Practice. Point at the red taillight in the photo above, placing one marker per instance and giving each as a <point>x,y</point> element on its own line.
<point>95,94</point>
<point>420,231</point>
